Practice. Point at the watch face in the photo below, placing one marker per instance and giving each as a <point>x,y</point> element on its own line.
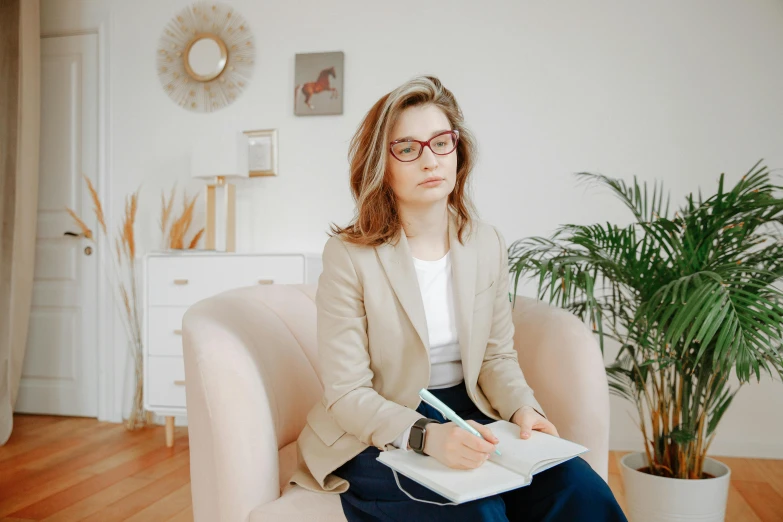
<point>417,438</point>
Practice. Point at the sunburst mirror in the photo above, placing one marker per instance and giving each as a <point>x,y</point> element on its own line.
<point>205,56</point>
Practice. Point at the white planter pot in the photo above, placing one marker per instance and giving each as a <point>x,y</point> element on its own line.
<point>658,499</point>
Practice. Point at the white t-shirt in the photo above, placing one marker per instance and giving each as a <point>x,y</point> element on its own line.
<point>437,294</point>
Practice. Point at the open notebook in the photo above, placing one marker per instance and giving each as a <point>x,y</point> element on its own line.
<point>520,460</point>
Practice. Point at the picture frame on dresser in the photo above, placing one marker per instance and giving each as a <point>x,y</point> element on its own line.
<point>175,280</point>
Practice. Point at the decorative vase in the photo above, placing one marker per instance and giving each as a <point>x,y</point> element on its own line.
<point>136,416</point>
<point>651,498</point>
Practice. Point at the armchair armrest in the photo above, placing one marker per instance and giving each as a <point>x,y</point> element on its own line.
<point>249,383</point>
<point>562,362</point>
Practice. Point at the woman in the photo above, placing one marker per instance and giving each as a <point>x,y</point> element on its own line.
<point>414,294</point>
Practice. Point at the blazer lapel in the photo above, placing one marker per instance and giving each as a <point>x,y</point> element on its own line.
<point>464,261</point>
<point>397,261</point>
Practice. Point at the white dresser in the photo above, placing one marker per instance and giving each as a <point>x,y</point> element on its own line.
<point>173,282</point>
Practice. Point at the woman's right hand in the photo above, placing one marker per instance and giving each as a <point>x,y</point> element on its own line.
<point>458,448</point>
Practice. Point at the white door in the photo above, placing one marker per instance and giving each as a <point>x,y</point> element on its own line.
<point>59,375</point>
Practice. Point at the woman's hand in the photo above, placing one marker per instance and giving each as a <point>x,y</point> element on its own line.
<point>458,448</point>
<point>529,419</point>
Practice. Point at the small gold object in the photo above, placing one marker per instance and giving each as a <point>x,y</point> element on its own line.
<point>180,282</point>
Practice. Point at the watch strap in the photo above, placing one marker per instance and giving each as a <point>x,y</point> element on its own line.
<point>418,434</point>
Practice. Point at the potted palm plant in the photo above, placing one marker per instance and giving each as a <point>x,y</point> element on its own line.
<point>691,298</point>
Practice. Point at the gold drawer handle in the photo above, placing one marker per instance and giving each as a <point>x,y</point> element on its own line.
<point>266,281</point>
<point>179,383</point>
<point>177,332</point>
<point>180,281</point>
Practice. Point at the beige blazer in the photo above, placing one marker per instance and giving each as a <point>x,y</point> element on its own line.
<point>374,354</point>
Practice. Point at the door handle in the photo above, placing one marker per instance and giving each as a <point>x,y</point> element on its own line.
<point>73,234</point>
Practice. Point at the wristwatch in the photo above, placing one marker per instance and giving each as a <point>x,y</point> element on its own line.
<point>419,434</point>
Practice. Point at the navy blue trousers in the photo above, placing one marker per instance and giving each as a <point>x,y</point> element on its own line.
<point>568,492</point>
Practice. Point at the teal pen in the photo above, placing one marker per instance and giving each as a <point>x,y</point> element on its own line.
<point>447,412</point>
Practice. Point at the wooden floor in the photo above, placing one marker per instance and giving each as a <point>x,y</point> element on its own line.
<point>67,468</point>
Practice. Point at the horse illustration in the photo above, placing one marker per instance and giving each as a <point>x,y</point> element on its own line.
<point>320,85</point>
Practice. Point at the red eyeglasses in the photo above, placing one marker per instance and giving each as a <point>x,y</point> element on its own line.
<point>406,150</point>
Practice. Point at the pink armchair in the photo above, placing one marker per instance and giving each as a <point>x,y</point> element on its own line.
<point>251,366</point>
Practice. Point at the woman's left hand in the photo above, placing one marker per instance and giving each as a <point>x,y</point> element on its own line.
<point>529,419</point>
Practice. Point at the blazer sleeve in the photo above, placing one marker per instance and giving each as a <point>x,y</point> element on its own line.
<point>500,377</point>
<point>344,356</point>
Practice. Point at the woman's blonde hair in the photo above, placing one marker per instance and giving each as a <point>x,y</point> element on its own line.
<point>377,220</point>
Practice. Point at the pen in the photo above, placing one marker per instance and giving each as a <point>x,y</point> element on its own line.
<point>447,412</point>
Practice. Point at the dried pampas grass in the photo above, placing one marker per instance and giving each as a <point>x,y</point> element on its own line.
<point>96,202</point>
<point>174,237</point>
<point>194,241</point>
<point>165,209</point>
<point>123,273</point>
<point>81,224</point>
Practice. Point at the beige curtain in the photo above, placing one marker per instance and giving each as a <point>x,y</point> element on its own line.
<point>20,115</point>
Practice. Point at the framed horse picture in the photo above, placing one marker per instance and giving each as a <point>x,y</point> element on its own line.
<point>319,84</point>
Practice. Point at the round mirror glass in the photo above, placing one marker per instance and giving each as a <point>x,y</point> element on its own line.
<point>206,58</point>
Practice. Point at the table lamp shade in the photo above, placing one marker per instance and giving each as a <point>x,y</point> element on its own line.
<point>220,159</point>
<point>223,155</point>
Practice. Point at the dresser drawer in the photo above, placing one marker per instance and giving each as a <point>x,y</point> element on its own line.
<point>184,280</point>
<point>166,381</point>
<point>164,330</point>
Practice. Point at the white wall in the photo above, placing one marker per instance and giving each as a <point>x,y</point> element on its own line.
<point>676,91</point>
